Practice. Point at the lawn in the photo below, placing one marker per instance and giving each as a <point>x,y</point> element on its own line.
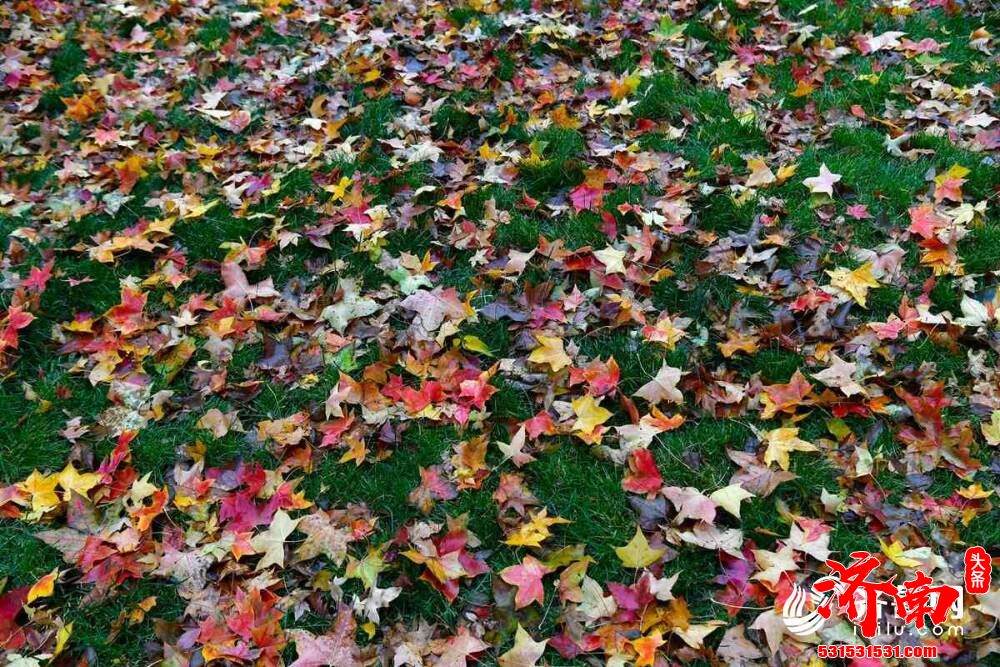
<point>475,333</point>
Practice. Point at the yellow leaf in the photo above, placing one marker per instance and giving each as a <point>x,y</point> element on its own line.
<point>782,441</point>
<point>894,552</point>
<point>339,189</point>
<point>627,86</point>
<point>42,491</point>
<point>562,118</point>
<point>44,587</point>
<point>956,172</point>
<point>536,531</point>
<point>786,171</point>
<point>550,352</point>
<point>589,414</point>
<point>138,613</point>
<point>975,492</point>
<point>488,153</point>
<point>475,344</point>
<point>760,173</point>
<point>637,553</point>
<point>612,259</point>
<point>804,89</point>
<point>271,542</point>
<point>525,652</point>
<point>856,282</point>
<point>61,638</point>
<point>991,431</point>
<point>730,497</point>
<point>368,568</point>
<point>73,481</point>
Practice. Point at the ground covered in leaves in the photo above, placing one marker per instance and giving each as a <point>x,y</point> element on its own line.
<point>508,333</point>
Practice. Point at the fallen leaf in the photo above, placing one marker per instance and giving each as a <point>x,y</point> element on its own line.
<point>527,577</point>
<point>525,652</point>
<point>856,282</point>
<point>781,442</point>
<point>637,553</point>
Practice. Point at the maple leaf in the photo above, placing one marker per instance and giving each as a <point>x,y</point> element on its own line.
<point>272,541</point>
<point>694,635</point>
<point>527,577</point>
<point>550,352</point>
<point>991,430</point>
<point>896,553</point>
<point>44,587</point>
<point>601,377</point>
<point>781,442</point>
<point>730,497</point>
<point>989,604</point>
<point>760,174</point>
<point>774,627</point>
<point>856,282</point>
<point>667,29</point>
<point>459,648</point>
<point>810,536</point>
<point>535,531</point>
<point>589,414</point>
<point>637,553</point>
<point>525,652</point>
<point>585,197</point>
<point>432,308</point>
<point>822,184</point>
<point>708,536</point>
<point>924,221</point>
<point>858,212</point>
<point>758,479</point>
<point>690,503</point>
<point>323,536</point>
<point>645,648</point>
<point>377,599</point>
<point>663,387</point>
<point>667,330</point>
<point>368,568</point>
<point>13,321</point>
<point>350,307</point>
<point>738,342</point>
<point>785,397</point>
<point>840,374</point>
<point>433,486</point>
<point>12,636</point>
<point>514,450</point>
<point>644,476</point>
<point>773,564</point>
<point>611,259</point>
<point>949,184</point>
<point>239,288</point>
<point>975,492</point>
<point>735,649</point>
<point>335,649</point>
<point>42,491</point>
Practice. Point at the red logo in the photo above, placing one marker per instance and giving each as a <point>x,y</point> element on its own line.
<point>978,570</point>
<point>914,599</point>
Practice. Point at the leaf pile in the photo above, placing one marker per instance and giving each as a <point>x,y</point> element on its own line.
<point>518,333</point>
